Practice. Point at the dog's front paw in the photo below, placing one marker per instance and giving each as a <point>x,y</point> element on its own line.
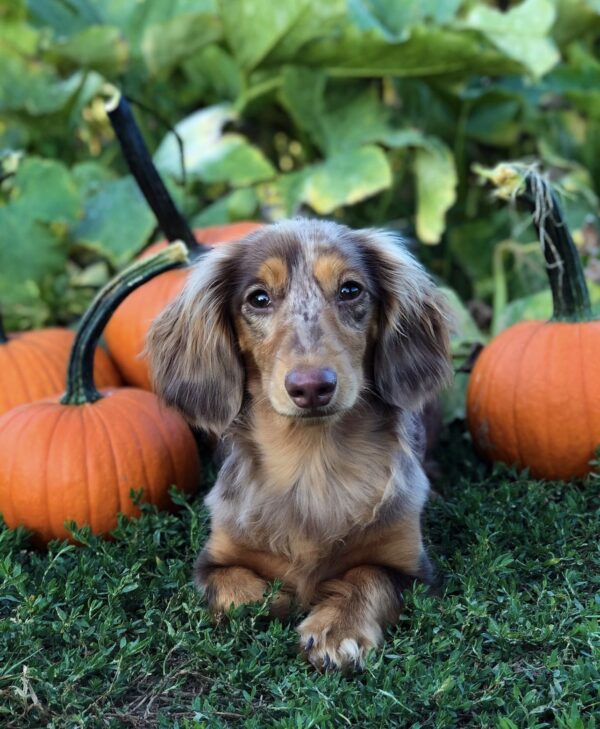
<point>333,640</point>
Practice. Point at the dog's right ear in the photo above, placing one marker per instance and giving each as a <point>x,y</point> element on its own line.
<point>192,349</point>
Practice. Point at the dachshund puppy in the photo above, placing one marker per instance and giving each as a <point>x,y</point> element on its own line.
<point>310,349</point>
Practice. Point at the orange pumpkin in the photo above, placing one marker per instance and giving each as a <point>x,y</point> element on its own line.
<point>33,365</point>
<point>126,331</point>
<point>78,458</point>
<point>534,393</point>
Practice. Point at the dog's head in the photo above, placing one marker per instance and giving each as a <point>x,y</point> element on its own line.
<point>307,316</point>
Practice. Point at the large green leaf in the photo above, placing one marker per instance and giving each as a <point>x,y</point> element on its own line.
<point>29,250</point>
<point>253,27</point>
<point>521,33</point>
<point>209,154</point>
<point>436,189</point>
<point>342,118</point>
<point>44,190</point>
<point>347,178</point>
<point>28,86</point>
<point>428,51</point>
<point>117,222</point>
<point>101,47</point>
<point>166,44</point>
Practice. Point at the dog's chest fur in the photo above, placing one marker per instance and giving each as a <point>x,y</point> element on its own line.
<point>302,492</point>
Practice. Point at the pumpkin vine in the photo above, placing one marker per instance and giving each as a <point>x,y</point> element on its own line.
<point>81,388</point>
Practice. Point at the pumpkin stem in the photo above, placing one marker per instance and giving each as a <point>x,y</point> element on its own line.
<point>80,373</point>
<point>145,173</point>
<point>3,335</point>
<point>570,295</point>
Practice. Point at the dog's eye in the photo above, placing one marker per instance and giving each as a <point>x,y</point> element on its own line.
<point>350,290</point>
<point>259,299</point>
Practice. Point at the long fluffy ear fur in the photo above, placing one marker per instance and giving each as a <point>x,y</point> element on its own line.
<point>192,349</point>
<point>412,350</point>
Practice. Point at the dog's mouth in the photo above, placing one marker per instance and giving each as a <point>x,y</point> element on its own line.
<point>316,415</point>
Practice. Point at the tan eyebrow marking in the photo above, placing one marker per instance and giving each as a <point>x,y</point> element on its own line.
<point>328,269</point>
<point>274,273</point>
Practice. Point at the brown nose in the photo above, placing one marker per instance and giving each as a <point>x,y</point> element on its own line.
<point>311,388</point>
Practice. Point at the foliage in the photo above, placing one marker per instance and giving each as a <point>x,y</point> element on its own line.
<point>370,111</point>
<point>113,634</point>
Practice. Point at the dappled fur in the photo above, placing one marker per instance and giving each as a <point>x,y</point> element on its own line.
<point>329,504</point>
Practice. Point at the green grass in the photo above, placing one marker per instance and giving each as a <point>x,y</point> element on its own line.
<point>113,634</point>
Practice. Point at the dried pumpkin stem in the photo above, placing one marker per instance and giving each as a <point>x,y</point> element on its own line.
<point>3,335</point>
<point>515,181</point>
<point>146,175</point>
<point>570,294</point>
<point>80,374</point>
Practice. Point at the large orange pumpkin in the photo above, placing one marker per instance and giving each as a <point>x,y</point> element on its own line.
<point>78,458</point>
<point>126,331</point>
<point>534,393</point>
<point>33,365</point>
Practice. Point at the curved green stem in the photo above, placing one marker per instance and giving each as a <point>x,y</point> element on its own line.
<point>80,374</point>
<point>3,335</point>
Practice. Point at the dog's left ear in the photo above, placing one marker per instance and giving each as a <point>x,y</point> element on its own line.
<point>411,360</point>
<point>192,349</point>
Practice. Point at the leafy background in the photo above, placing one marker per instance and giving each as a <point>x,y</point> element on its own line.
<point>372,112</point>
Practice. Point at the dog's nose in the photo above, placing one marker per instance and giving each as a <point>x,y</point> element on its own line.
<point>312,387</point>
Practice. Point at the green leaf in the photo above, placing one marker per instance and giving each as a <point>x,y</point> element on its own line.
<point>214,68</point>
<point>166,44</point>
<point>101,47</point>
<point>428,51</point>
<point>44,190</point>
<point>29,250</point>
<point>302,94</point>
<point>117,222</point>
<point>26,85</point>
<point>436,189</point>
<point>253,27</point>
<point>394,19</point>
<point>347,178</point>
<point>210,155</point>
<point>521,33</point>
<point>238,205</point>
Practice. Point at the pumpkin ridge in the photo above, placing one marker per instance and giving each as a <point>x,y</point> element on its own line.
<point>42,357</point>
<point>10,417</point>
<point>147,488</point>
<point>588,419</point>
<point>159,429</point>
<point>514,393</point>
<point>23,380</point>
<point>96,412</point>
<point>50,438</point>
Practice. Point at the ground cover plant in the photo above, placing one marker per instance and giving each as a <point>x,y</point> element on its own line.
<point>113,634</point>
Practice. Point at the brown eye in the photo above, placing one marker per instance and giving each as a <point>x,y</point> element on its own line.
<point>350,291</point>
<point>259,299</point>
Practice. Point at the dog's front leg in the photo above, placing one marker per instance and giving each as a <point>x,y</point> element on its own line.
<point>225,586</point>
<point>351,615</point>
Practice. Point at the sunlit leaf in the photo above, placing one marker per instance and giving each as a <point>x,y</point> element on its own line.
<point>253,27</point>
<point>166,44</point>
<point>346,178</point>
<point>522,32</point>
<point>436,189</point>
<point>211,155</point>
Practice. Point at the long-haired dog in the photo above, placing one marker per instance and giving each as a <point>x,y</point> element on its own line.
<point>310,349</point>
